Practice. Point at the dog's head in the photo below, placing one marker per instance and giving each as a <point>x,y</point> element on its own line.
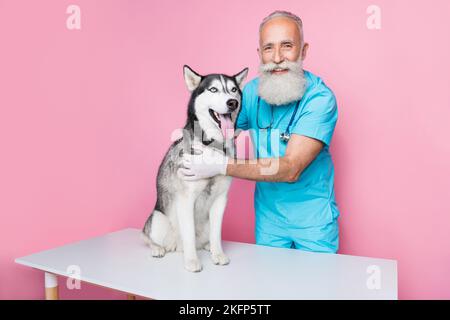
<point>215,101</point>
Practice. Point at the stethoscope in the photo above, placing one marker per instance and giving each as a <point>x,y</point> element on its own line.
<point>286,135</point>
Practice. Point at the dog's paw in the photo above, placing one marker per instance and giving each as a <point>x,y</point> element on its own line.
<point>193,265</point>
<point>220,258</point>
<point>158,252</point>
<point>171,247</point>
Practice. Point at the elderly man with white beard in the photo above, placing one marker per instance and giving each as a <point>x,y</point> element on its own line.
<point>291,115</point>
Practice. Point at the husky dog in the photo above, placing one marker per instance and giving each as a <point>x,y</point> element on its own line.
<point>188,214</point>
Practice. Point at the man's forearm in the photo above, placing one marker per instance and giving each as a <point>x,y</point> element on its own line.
<point>265,169</point>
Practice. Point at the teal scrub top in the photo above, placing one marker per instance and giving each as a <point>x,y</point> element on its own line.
<point>309,201</point>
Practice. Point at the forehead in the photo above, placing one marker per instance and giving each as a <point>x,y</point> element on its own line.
<point>279,29</point>
<point>217,80</point>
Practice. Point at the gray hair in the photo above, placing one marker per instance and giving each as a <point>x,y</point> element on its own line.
<point>286,14</point>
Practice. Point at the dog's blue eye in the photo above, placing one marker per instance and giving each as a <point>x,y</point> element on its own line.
<point>213,89</point>
<point>234,89</point>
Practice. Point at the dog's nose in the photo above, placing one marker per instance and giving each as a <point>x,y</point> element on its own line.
<point>232,104</point>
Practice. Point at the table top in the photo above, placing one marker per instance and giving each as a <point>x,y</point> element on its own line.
<point>120,260</point>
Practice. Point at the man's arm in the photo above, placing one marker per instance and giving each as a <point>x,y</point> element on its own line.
<point>300,152</point>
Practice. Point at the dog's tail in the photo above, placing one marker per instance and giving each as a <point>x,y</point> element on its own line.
<point>146,238</point>
<point>145,234</point>
<point>158,232</point>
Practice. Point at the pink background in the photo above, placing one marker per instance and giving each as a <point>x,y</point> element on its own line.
<point>86,117</point>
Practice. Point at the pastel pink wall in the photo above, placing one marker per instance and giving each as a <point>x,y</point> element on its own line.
<point>86,117</point>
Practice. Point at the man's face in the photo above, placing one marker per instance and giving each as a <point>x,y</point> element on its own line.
<point>280,40</point>
<point>281,78</point>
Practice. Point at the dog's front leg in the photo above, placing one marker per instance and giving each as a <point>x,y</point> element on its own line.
<point>215,233</point>
<point>185,214</point>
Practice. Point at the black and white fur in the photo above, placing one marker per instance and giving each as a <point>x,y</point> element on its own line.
<point>188,214</point>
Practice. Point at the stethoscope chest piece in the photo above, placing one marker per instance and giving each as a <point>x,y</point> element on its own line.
<point>285,136</point>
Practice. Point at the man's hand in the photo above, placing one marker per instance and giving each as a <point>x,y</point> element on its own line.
<point>206,163</point>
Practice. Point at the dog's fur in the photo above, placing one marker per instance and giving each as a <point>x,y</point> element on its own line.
<point>188,214</point>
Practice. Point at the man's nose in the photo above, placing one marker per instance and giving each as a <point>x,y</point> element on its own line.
<point>232,104</point>
<point>278,57</point>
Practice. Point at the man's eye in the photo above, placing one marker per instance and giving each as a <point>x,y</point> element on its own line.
<point>234,89</point>
<point>213,89</point>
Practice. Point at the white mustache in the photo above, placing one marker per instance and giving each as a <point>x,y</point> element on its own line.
<point>285,65</point>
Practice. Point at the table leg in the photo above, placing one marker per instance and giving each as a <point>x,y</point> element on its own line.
<point>51,286</point>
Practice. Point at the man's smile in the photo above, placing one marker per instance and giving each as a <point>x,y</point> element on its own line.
<point>279,71</point>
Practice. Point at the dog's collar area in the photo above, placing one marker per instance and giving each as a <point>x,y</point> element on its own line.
<point>208,142</point>
<point>215,144</point>
<point>196,131</point>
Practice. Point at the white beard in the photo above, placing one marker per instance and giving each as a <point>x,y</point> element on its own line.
<point>280,89</point>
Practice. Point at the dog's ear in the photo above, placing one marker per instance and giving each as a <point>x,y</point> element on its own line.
<point>191,78</point>
<point>240,77</point>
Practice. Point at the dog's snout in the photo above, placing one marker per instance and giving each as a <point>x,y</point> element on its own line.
<point>232,104</point>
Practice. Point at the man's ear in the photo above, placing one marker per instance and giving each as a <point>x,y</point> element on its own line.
<point>191,78</point>
<point>240,77</point>
<point>305,50</point>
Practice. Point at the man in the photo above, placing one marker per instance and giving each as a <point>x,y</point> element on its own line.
<point>295,204</point>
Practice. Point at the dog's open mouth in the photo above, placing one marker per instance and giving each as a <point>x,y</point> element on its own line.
<point>224,122</point>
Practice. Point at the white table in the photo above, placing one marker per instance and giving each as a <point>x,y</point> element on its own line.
<point>121,261</point>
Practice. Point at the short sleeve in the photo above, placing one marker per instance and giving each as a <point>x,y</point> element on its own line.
<point>319,117</point>
<point>242,119</point>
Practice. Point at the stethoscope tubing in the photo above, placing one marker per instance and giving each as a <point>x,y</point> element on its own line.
<point>287,132</point>
<point>286,135</point>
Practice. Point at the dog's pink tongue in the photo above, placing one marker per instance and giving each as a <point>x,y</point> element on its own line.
<point>227,126</point>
